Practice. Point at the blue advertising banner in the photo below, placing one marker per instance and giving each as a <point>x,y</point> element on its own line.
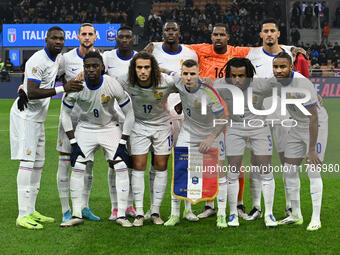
<point>33,35</point>
<point>14,56</point>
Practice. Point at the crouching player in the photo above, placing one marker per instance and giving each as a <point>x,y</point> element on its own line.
<point>239,73</point>
<point>98,127</point>
<point>198,131</point>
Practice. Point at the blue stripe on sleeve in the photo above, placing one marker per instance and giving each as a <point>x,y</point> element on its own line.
<point>67,105</point>
<point>310,105</point>
<point>219,111</point>
<point>34,80</point>
<point>125,103</point>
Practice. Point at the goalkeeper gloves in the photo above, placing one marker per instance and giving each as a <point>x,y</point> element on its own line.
<point>122,152</point>
<point>23,100</point>
<point>76,151</point>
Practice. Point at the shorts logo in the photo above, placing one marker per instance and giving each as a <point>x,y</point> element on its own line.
<point>34,70</point>
<point>105,99</point>
<point>12,35</point>
<point>195,180</point>
<point>158,95</point>
<point>111,34</point>
<point>28,152</point>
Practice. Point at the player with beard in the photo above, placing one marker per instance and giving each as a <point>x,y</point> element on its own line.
<point>27,132</point>
<point>71,65</point>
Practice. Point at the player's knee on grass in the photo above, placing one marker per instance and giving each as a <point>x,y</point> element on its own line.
<point>139,162</point>
<point>161,162</point>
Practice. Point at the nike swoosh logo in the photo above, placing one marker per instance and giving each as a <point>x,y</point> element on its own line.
<point>258,66</point>
<point>74,69</point>
<point>34,225</point>
<point>109,67</point>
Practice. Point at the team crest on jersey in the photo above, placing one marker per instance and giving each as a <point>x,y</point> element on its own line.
<point>197,103</point>
<point>181,63</point>
<point>158,95</point>
<point>105,99</point>
<point>111,34</point>
<point>60,143</point>
<point>34,70</point>
<point>28,152</point>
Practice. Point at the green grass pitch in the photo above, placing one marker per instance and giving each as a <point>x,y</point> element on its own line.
<point>106,237</point>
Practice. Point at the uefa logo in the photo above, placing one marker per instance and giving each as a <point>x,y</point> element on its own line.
<point>111,34</point>
<point>12,35</point>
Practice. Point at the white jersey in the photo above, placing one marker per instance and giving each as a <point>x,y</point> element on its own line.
<point>263,61</point>
<point>198,125</point>
<point>96,104</point>
<point>115,65</point>
<point>71,64</point>
<point>301,82</point>
<point>173,61</point>
<point>149,103</point>
<point>240,121</point>
<point>43,69</point>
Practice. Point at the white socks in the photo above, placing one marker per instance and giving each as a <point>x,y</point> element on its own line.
<point>233,187</point>
<point>111,177</point>
<point>77,187</point>
<point>122,187</point>
<point>159,187</point>
<point>268,189</point>
<point>152,174</point>
<point>23,185</point>
<point>316,187</point>
<point>88,180</point>
<point>35,184</point>
<point>63,181</point>
<point>255,187</point>
<point>293,188</point>
<point>138,187</point>
<point>130,198</point>
<point>221,196</point>
<point>175,206</point>
<point>211,204</point>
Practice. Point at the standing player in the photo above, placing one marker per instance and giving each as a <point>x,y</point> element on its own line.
<point>170,55</point>
<point>71,65</point>
<point>240,73</point>
<point>98,127</point>
<point>27,133</point>
<point>198,130</point>
<point>117,63</point>
<point>149,90</point>
<point>301,143</point>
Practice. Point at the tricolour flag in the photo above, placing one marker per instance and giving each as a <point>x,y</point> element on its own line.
<point>195,175</point>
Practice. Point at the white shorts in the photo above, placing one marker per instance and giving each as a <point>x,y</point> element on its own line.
<point>27,139</point>
<point>176,125</point>
<point>321,142</point>
<point>146,137</point>
<point>280,135</point>
<point>185,140</point>
<point>259,140</point>
<point>90,140</point>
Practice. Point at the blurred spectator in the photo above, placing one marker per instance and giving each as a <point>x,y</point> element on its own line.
<point>337,17</point>
<point>307,22</point>
<point>2,64</point>
<point>295,34</point>
<point>316,71</point>
<point>296,13</point>
<point>8,65</point>
<point>140,20</point>
<point>325,32</point>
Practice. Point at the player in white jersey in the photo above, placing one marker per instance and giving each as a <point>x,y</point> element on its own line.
<point>198,130</point>
<point>170,55</point>
<point>71,65</point>
<point>301,143</point>
<point>27,133</point>
<point>301,140</point>
<point>149,89</point>
<point>98,127</point>
<point>243,128</point>
<point>117,63</point>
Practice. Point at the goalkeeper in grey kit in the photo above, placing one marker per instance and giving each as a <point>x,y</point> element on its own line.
<point>98,127</point>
